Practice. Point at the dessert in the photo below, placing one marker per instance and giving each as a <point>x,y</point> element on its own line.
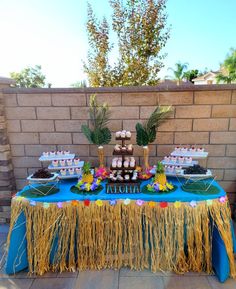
<point>66,152</point>
<point>178,169</point>
<point>59,153</point>
<point>55,163</point>
<point>76,161</point>
<point>42,174</point>
<point>184,149</point>
<point>128,134</point>
<point>173,159</point>
<point>118,133</point>
<point>192,149</point>
<point>177,148</point>
<point>69,162</point>
<point>71,171</point>
<point>167,158</point>
<point>52,154</point>
<point>188,160</point>
<point>196,170</point>
<point>123,134</point>
<point>181,160</point>
<point>63,172</point>
<point>62,163</point>
<point>45,154</point>
<point>200,149</point>
<point>78,171</point>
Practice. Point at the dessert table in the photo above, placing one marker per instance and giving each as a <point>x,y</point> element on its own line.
<point>175,231</point>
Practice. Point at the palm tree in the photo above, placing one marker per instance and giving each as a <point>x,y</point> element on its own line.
<point>228,68</point>
<point>179,71</point>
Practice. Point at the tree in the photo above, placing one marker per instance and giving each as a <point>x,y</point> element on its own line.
<point>80,84</point>
<point>29,77</point>
<point>191,74</point>
<point>179,71</point>
<point>140,27</point>
<point>228,68</point>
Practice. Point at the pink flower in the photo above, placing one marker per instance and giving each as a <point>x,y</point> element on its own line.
<point>193,204</point>
<point>222,199</point>
<point>140,202</point>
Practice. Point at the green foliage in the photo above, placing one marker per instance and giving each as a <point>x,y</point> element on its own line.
<point>86,168</point>
<point>178,71</point>
<point>140,27</point>
<point>79,84</point>
<point>191,74</point>
<point>29,77</point>
<point>146,133</point>
<point>228,68</point>
<point>98,134</point>
<point>160,168</point>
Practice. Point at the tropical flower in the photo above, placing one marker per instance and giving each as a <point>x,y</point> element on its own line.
<point>126,202</point>
<point>222,199</point>
<point>99,203</point>
<point>46,205</point>
<point>32,203</point>
<point>59,205</point>
<point>86,203</point>
<point>209,202</point>
<point>113,202</point>
<point>177,204</point>
<point>74,203</point>
<point>151,204</point>
<point>193,204</point>
<point>156,187</point>
<point>163,204</point>
<point>140,202</point>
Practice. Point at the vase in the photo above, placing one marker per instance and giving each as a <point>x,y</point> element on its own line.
<point>101,156</point>
<point>146,156</point>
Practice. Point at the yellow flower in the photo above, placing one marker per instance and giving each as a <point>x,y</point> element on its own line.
<point>177,204</point>
<point>161,187</point>
<point>151,204</point>
<point>99,203</point>
<point>87,187</point>
<point>169,186</point>
<point>98,181</point>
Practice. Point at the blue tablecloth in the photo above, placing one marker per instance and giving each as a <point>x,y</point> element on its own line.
<point>17,254</point>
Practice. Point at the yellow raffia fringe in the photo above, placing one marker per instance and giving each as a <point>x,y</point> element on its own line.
<point>97,237</point>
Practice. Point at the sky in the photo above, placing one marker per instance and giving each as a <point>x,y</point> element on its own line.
<point>52,33</point>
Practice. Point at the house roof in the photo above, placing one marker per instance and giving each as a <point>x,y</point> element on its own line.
<point>204,76</point>
<point>6,80</point>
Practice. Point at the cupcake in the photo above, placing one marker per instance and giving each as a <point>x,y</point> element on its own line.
<point>188,160</point>
<point>76,161</point>
<point>66,152</point>
<point>126,164</point>
<point>119,164</point>
<point>130,147</point>
<point>178,169</point>
<point>78,171</point>
<point>62,163</point>
<point>123,149</point>
<point>173,159</point>
<point>120,178</point>
<point>192,149</point>
<point>177,149</point>
<point>123,134</point>
<point>184,149</point>
<point>128,134</point>
<point>171,169</point>
<point>181,160</point>
<point>52,154</point>
<point>59,153</point>
<point>69,162</point>
<point>55,163</point>
<point>167,159</point>
<point>127,177</point>
<point>45,154</point>
<point>63,172</point>
<point>117,148</point>
<point>200,150</point>
<point>118,133</point>
<point>114,163</point>
<point>132,164</point>
<point>71,171</point>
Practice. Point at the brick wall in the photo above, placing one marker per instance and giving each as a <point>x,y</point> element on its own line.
<point>49,119</point>
<point>7,180</point>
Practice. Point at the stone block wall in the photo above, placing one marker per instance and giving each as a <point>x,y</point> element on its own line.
<point>50,119</point>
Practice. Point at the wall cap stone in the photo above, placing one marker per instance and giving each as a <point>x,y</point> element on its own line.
<point>159,88</point>
<point>6,80</point>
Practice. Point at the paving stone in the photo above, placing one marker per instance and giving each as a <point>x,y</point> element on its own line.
<point>228,284</point>
<point>105,279</point>
<point>141,283</point>
<point>125,272</point>
<point>53,283</point>
<point>16,283</point>
<point>67,274</point>
<point>190,282</point>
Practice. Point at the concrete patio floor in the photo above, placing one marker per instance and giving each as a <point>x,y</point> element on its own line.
<point>108,279</point>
